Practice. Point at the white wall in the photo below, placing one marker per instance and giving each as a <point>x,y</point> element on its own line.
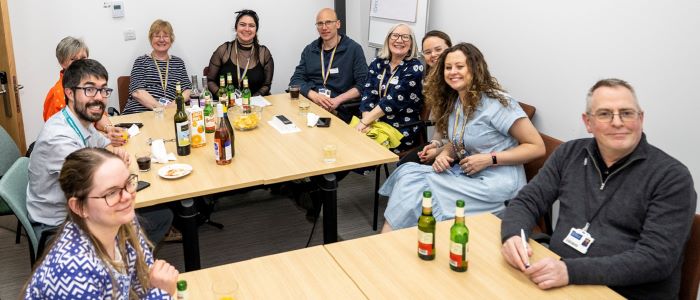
<point>548,53</point>
<point>200,26</point>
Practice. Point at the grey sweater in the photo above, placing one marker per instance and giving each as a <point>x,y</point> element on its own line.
<point>640,217</point>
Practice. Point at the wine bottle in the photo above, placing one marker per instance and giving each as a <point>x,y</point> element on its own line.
<point>194,93</point>
<point>230,89</point>
<point>426,229</point>
<point>227,122</point>
<point>182,124</point>
<point>459,241</point>
<point>204,94</point>
<point>222,139</point>
<point>246,96</point>
<point>221,94</point>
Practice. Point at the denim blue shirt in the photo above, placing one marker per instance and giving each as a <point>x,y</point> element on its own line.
<point>349,68</point>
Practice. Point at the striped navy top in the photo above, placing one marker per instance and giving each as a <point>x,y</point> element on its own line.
<point>144,76</point>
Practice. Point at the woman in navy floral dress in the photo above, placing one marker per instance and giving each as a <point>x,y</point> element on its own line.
<point>392,93</point>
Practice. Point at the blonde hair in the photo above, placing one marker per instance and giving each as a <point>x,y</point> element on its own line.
<point>161,25</point>
<point>385,53</point>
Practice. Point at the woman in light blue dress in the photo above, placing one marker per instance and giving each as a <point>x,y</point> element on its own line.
<point>490,138</point>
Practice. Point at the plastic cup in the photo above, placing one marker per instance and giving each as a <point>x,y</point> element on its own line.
<point>143,160</point>
<point>225,290</point>
<point>159,112</point>
<point>304,106</point>
<point>294,91</point>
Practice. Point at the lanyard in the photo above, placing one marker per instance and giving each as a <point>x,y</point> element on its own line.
<point>325,73</point>
<point>238,69</point>
<point>459,113</point>
<point>72,124</point>
<point>163,82</point>
<point>388,82</point>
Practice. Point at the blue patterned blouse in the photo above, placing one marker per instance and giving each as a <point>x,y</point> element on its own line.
<point>72,270</point>
<point>399,96</point>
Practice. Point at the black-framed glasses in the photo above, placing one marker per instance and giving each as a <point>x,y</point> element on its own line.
<point>113,196</point>
<point>326,23</point>
<point>396,36</point>
<point>626,115</point>
<point>92,91</point>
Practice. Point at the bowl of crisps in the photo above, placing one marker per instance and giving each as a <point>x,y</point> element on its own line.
<point>243,119</point>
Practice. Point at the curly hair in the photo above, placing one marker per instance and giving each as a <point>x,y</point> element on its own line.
<point>440,96</point>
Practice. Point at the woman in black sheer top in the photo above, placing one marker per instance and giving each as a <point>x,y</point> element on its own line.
<point>243,57</point>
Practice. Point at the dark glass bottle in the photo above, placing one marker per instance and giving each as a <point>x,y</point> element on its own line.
<point>182,124</point>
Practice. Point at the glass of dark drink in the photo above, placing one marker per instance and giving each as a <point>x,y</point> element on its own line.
<point>143,159</point>
<point>294,91</point>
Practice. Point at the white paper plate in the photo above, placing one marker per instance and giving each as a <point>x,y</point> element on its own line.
<point>173,171</point>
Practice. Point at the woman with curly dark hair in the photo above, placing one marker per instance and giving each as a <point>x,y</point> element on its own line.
<point>490,137</point>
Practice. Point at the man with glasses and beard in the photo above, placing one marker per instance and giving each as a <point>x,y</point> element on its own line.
<point>71,129</point>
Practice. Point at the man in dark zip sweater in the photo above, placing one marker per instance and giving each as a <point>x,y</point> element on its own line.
<point>626,207</point>
<point>332,69</point>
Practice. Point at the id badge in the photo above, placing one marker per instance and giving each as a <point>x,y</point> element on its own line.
<point>164,101</point>
<point>237,94</point>
<point>333,71</point>
<point>394,80</point>
<point>579,239</point>
<point>325,92</point>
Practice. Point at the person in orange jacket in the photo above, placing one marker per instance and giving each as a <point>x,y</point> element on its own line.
<point>68,50</point>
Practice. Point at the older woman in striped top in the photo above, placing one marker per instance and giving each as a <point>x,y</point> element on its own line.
<point>154,75</point>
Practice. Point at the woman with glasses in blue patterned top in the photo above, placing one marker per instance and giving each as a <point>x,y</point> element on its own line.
<point>100,252</point>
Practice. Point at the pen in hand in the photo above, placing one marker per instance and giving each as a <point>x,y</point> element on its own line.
<point>524,240</point>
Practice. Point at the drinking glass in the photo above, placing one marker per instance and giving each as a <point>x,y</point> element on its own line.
<point>294,91</point>
<point>225,290</point>
<point>143,159</point>
<point>159,111</point>
<point>329,153</point>
<point>304,106</point>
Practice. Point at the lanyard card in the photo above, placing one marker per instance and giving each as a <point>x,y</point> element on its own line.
<point>164,101</point>
<point>579,239</point>
<point>325,92</point>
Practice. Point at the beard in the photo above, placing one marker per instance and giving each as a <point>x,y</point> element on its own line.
<point>82,111</point>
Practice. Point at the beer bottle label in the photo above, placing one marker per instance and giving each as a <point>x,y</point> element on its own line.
<point>458,254</point>
<point>425,243</point>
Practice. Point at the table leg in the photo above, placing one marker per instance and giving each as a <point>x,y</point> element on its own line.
<point>190,234</point>
<point>329,194</point>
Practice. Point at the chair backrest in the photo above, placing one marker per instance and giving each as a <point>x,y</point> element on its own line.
<point>529,110</point>
<point>690,277</point>
<point>532,167</point>
<point>123,90</point>
<point>13,189</point>
<point>9,150</point>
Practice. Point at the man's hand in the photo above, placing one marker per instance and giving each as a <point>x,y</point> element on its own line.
<point>321,100</point>
<point>515,254</point>
<point>121,152</point>
<point>334,103</point>
<point>548,273</point>
<point>116,135</point>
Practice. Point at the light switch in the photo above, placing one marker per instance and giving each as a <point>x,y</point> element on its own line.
<point>117,9</point>
<point>129,35</point>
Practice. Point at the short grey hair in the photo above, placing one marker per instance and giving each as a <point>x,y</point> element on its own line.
<point>68,47</point>
<point>611,83</point>
<point>385,53</point>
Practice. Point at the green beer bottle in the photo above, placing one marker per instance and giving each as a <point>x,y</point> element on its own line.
<point>230,88</point>
<point>221,94</point>
<point>426,229</point>
<point>246,96</point>
<point>459,241</point>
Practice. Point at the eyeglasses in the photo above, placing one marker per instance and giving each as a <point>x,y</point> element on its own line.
<point>404,37</point>
<point>626,115</point>
<point>161,37</point>
<point>429,52</point>
<point>327,23</point>
<point>115,195</point>
<point>92,91</point>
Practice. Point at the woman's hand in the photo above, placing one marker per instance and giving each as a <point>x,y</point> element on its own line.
<point>163,276</point>
<point>428,153</point>
<point>442,162</point>
<point>361,127</point>
<point>475,163</point>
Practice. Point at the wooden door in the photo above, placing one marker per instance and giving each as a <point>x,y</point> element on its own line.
<point>10,108</point>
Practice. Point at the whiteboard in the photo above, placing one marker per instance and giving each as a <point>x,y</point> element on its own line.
<point>402,10</point>
<point>384,14</point>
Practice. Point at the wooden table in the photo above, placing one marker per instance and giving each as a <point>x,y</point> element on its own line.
<point>309,273</point>
<point>386,266</point>
<point>263,156</point>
